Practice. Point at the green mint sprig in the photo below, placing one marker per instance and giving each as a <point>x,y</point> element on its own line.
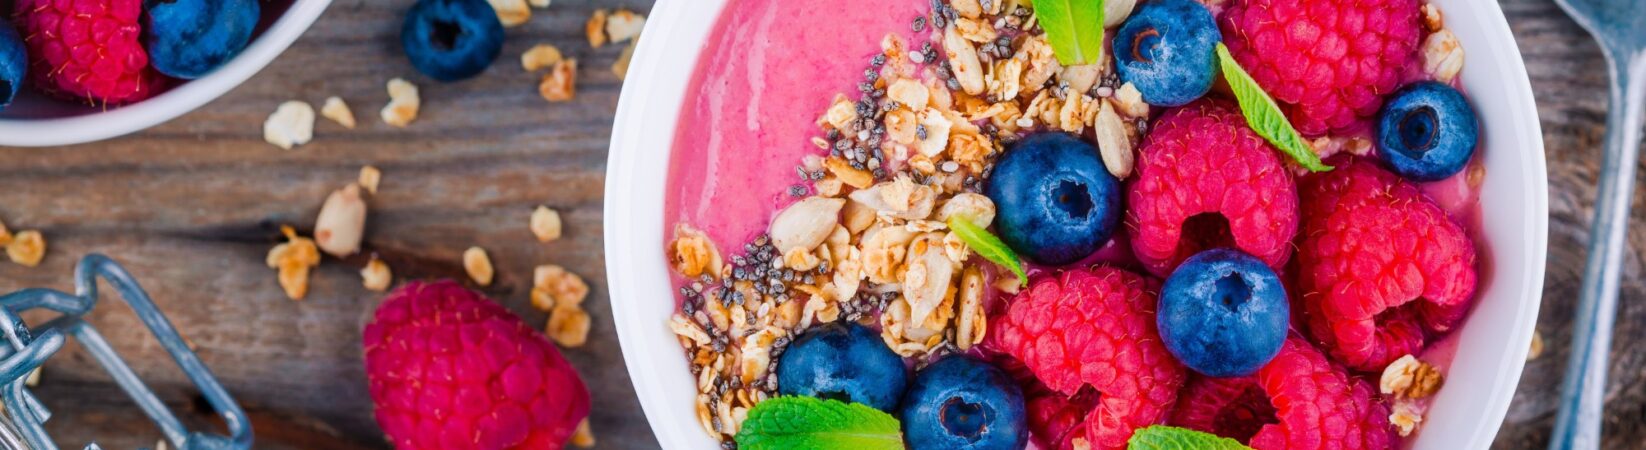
<point>806,423</point>
<point>1074,28</point>
<point>989,246</point>
<point>1264,116</point>
<point>1161,437</point>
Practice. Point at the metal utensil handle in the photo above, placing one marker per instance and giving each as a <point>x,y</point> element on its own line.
<point>24,349</point>
<point>1583,391</point>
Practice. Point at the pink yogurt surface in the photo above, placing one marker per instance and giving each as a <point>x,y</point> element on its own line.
<point>767,72</point>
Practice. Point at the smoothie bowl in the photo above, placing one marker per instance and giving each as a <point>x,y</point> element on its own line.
<point>981,224</point>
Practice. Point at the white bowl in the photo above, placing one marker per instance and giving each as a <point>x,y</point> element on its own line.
<point>36,121</point>
<point>1492,342</point>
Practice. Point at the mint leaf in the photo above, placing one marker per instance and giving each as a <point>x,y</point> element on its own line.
<point>987,245</point>
<point>806,423</point>
<point>1074,28</point>
<point>1161,437</point>
<point>1264,116</point>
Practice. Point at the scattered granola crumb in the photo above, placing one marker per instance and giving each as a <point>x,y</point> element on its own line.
<point>403,103</point>
<point>376,276</point>
<point>478,265</point>
<point>1432,19</point>
<point>540,56</point>
<point>583,437</point>
<point>160,444</point>
<point>621,66</point>
<point>1408,377</point>
<point>337,111</point>
<point>5,235</point>
<point>568,326</point>
<point>624,25</point>
<point>539,3</point>
<point>34,378</point>
<point>293,259</point>
<point>1442,55</point>
<point>1537,346</point>
<point>342,222</point>
<point>291,125</point>
<point>511,12</point>
<point>369,178</point>
<point>28,247</point>
<point>565,288</point>
<point>595,28</point>
<point>561,83</point>
<point>545,224</point>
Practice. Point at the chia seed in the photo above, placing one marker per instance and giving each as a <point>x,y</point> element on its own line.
<point>919,24</point>
<point>865,87</point>
<point>953,84</point>
<point>834,134</point>
<point>878,60</point>
<point>871,75</point>
<point>798,190</point>
<point>880,173</point>
<point>920,131</point>
<point>988,48</point>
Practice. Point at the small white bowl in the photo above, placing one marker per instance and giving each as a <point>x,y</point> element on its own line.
<point>1492,342</point>
<point>36,121</point>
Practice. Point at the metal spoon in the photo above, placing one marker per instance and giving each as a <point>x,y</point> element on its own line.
<point>1620,27</point>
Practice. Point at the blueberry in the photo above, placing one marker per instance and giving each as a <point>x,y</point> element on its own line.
<point>961,402</point>
<point>450,40</point>
<point>189,38</point>
<point>1168,49</point>
<point>13,63</point>
<point>1427,132</point>
<point>843,361</point>
<point>1057,203</point>
<point>1223,313</point>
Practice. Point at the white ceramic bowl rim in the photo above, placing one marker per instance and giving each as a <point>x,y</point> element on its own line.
<point>1493,342</point>
<point>172,103</point>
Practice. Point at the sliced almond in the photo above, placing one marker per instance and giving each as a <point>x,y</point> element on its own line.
<point>963,61</point>
<point>971,324</point>
<point>1112,142</point>
<point>926,280</point>
<point>806,223</point>
<point>976,208</point>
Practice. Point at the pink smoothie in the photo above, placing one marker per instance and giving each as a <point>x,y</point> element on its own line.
<point>767,72</point>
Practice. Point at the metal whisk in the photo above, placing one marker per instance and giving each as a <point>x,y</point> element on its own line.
<point>23,424</point>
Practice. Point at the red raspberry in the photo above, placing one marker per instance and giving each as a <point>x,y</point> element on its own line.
<point>87,49</point>
<point>1328,62</point>
<point>1379,265</point>
<point>1095,327</point>
<point>449,368</point>
<point>1297,401</point>
<point>1205,180</point>
<point>1054,419</point>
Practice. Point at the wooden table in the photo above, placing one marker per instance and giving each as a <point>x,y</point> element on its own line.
<point>192,206</point>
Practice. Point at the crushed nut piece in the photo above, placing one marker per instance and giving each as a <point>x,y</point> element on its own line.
<point>370,177</point>
<point>595,28</point>
<point>291,125</point>
<point>1432,19</point>
<point>337,111</point>
<point>540,56</point>
<point>511,12</point>
<point>565,288</point>
<point>403,103</point>
<point>28,247</point>
<point>545,224</point>
<point>624,25</point>
<point>5,235</point>
<point>568,326</point>
<point>1406,417</point>
<point>376,276</point>
<point>33,379</point>
<point>561,83</point>
<point>478,265</point>
<point>342,222</point>
<point>620,67</point>
<point>1129,101</point>
<point>1442,56</point>
<point>583,436</point>
<point>1408,377</point>
<point>293,259</point>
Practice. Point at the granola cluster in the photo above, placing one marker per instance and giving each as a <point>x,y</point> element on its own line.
<point>867,239</point>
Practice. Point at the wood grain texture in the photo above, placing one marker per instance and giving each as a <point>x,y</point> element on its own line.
<point>192,206</point>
